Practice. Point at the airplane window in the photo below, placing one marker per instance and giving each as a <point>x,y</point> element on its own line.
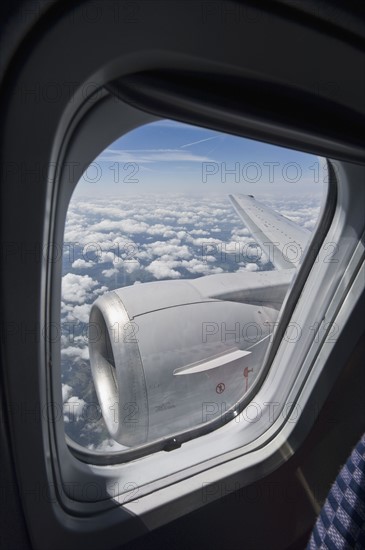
<point>179,248</point>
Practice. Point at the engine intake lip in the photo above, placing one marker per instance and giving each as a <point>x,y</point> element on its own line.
<point>118,372</point>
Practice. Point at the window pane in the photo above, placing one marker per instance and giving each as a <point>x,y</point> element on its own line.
<point>180,245</point>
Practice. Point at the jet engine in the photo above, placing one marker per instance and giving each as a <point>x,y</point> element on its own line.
<point>169,356</point>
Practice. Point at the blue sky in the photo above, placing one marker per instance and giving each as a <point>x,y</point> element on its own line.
<point>171,157</point>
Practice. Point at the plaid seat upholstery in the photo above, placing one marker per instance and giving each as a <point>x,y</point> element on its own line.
<point>341,523</point>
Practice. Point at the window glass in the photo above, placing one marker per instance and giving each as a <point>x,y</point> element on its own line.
<point>180,245</point>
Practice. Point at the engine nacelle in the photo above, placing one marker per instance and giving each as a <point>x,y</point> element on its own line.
<point>165,358</point>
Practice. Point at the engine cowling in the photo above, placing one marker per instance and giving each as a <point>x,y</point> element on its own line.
<point>166,358</point>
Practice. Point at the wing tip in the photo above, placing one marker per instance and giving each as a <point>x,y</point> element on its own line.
<point>233,196</point>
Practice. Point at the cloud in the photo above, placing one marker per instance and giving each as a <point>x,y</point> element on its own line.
<point>99,291</point>
<point>131,266</point>
<point>161,269</point>
<point>126,226</point>
<point>109,258</point>
<point>168,250</point>
<point>77,288</point>
<point>143,156</point>
<point>160,229</point>
<point>79,353</point>
<point>73,408</point>
<point>82,264</point>
<point>199,141</point>
<point>66,392</point>
<point>110,272</point>
<point>82,312</point>
<point>206,241</point>
<point>201,268</point>
<point>199,232</point>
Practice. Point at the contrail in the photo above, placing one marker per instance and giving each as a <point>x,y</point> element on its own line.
<point>200,141</point>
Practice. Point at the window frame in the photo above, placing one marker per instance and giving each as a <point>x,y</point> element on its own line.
<point>106,113</point>
<point>202,455</point>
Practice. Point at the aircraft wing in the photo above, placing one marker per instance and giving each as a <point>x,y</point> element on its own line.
<point>282,240</point>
